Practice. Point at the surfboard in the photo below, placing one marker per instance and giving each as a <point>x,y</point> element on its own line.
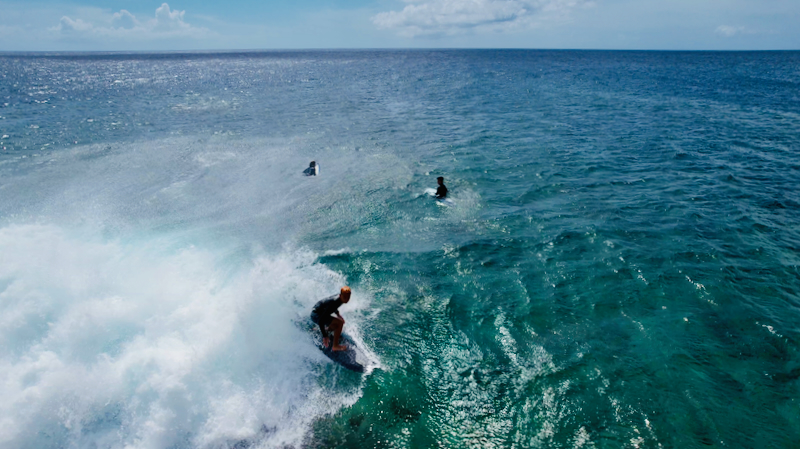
<point>348,358</point>
<point>446,202</point>
<point>352,358</point>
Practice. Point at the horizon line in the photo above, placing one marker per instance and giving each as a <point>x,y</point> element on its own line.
<point>386,49</point>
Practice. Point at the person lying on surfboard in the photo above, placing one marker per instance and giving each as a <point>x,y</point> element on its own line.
<point>322,314</point>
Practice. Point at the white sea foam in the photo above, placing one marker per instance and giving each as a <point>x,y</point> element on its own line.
<point>141,345</point>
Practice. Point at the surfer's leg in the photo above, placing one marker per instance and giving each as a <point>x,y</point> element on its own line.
<point>324,331</point>
<point>323,324</point>
<point>337,324</point>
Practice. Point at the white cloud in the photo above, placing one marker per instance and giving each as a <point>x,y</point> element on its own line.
<point>169,21</point>
<point>68,25</point>
<point>450,17</point>
<point>729,31</point>
<point>124,19</point>
<point>123,25</point>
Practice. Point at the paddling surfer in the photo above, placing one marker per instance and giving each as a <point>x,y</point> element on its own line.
<point>323,312</point>
<point>312,170</point>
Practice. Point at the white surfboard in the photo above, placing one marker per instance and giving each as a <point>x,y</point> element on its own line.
<point>446,202</point>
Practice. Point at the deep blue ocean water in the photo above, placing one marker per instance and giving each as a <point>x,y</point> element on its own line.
<point>619,267</point>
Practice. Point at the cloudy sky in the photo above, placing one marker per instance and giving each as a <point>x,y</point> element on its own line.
<point>53,25</point>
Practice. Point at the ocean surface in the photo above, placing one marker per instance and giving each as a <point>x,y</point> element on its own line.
<point>619,267</point>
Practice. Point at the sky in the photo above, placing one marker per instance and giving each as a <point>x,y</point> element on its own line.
<point>131,25</point>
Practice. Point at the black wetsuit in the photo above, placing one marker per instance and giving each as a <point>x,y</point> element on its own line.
<point>441,192</point>
<point>323,311</point>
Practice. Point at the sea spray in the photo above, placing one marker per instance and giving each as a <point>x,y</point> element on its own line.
<point>115,344</point>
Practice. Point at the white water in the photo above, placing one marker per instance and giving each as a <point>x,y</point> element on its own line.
<point>128,345</point>
<point>149,297</point>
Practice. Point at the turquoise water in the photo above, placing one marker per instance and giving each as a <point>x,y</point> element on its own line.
<point>619,267</point>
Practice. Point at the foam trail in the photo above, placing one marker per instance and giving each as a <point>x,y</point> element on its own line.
<point>135,345</point>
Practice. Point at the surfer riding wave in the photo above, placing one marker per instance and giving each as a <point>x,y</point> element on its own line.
<point>322,315</point>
